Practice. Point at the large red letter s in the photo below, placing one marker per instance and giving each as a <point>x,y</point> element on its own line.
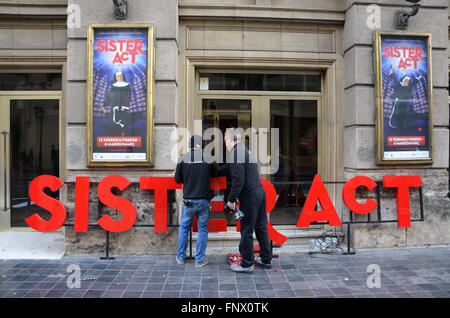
<point>56,208</point>
<point>124,206</point>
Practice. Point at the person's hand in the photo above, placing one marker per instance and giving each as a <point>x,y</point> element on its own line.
<point>104,110</point>
<point>231,205</point>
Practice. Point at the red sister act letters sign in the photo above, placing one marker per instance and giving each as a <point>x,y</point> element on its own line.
<point>160,186</point>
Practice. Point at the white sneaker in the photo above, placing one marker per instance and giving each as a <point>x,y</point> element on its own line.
<point>201,264</point>
<point>239,269</point>
<point>259,262</point>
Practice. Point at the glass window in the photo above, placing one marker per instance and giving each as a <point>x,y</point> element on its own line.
<point>262,82</point>
<point>30,81</point>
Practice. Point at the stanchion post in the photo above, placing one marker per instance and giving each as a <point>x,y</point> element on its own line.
<point>107,248</point>
<point>379,184</point>
<point>271,247</point>
<point>190,245</point>
<point>422,217</point>
<point>348,241</point>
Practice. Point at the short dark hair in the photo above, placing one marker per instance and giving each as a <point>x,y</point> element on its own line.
<point>196,141</point>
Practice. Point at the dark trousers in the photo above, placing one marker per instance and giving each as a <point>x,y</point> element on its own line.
<point>253,204</point>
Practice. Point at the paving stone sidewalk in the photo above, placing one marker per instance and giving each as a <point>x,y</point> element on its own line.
<point>405,273</point>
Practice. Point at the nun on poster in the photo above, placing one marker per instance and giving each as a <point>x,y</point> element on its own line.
<point>118,99</point>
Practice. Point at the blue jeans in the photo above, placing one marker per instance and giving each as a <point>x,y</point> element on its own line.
<point>200,208</point>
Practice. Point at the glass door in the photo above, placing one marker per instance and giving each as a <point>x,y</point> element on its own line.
<point>222,112</point>
<point>30,132</point>
<point>294,152</point>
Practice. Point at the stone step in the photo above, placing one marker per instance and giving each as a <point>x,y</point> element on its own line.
<point>299,241</point>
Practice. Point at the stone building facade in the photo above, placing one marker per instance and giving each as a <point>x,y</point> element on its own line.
<point>327,41</point>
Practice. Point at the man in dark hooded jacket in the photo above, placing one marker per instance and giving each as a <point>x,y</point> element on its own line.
<point>246,186</point>
<point>194,170</point>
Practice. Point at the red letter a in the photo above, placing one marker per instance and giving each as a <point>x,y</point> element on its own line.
<point>318,192</point>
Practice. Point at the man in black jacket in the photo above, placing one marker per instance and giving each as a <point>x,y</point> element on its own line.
<point>246,186</point>
<point>194,170</point>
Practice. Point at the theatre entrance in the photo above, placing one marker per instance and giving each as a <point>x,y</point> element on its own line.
<point>280,115</point>
<point>30,139</point>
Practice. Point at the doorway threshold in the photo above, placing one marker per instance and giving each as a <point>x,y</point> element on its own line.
<point>16,244</point>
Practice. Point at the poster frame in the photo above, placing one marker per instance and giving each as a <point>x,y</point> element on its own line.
<point>149,161</point>
<point>381,159</point>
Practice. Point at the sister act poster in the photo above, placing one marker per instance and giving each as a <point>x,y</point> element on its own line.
<point>120,102</point>
<point>404,122</point>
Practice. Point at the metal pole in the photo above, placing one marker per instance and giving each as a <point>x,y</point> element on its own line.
<point>107,248</point>
<point>107,244</point>
<point>5,170</point>
<point>422,218</point>
<point>271,247</point>
<point>190,245</point>
<point>378,201</point>
<point>348,241</point>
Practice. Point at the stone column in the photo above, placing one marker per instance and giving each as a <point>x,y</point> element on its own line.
<point>164,15</point>
<point>360,119</point>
